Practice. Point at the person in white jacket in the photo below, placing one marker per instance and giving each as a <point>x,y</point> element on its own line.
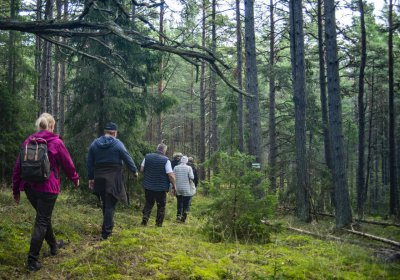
<point>185,188</point>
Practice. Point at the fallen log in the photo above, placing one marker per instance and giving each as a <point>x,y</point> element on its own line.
<point>338,239</point>
<point>329,237</point>
<point>362,221</point>
<point>373,237</point>
<point>378,223</point>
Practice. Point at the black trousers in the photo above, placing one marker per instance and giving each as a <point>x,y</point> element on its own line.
<point>42,230</point>
<point>108,202</point>
<point>159,197</point>
<point>182,206</point>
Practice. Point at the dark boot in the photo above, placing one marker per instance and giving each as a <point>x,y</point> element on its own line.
<point>184,216</point>
<point>54,248</point>
<point>160,216</point>
<point>33,265</point>
<point>144,222</point>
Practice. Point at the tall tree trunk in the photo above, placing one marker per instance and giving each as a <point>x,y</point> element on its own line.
<point>192,131</point>
<point>394,197</point>
<point>46,103</point>
<point>272,89</point>
<point>239,77</point>
<point>38,58</point>
<point>323,98</point>
<point>371,141</point>
<point>62,79</point>
<point>322,83</point>
<point>11,79</point>
<point>202,148</point>
<point>342,202</point>
<point>56,83</point>
<point>252,102</point>
<point>303,206</point>
<point>213,86</point>
<point>161,81</point>
<point>361,191</point>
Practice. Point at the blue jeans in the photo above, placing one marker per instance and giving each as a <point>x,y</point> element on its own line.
<point>183,206</point>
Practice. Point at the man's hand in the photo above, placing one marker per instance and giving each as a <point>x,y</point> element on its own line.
<point>135,174</point>
<point>173,190</point>
<point>91,184</point>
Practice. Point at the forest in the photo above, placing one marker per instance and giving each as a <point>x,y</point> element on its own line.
<point>290,109</point>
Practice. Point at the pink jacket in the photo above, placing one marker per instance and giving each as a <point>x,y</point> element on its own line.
<point>58,157</point>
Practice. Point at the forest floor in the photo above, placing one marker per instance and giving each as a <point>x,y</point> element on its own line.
<point>182,251</point>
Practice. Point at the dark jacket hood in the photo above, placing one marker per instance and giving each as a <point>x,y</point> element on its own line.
<point>105,142</point>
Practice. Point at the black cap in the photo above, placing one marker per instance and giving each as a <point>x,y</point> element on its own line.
<point>110,126</point>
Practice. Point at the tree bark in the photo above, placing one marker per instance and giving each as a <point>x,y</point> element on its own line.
<point>272,89</point>
<point>239,73</point>
<point>252,101</point>
<point>62,80</point>
<point>160,88</point>
<point>213,86</point>
<point>202,140</point>
<point>394,197</point>
<point>361,187</point>
<point>342,202</point>
<point>322,83</point>
<point>303,208</point>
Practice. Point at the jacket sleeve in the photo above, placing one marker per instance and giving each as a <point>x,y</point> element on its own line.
<point>65,160</point>
<point>127,159</point>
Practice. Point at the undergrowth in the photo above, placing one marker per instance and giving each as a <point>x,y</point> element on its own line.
<point>175,251</point>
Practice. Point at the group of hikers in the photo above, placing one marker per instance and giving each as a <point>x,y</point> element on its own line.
<point>106,158</point>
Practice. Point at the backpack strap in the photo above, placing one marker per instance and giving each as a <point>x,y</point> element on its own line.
<point>34,139</point>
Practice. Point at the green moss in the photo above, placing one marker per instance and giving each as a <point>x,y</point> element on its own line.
<point>175,251</point>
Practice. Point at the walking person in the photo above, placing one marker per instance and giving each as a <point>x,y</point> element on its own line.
<point>158,175</point>
<point>194,168</point>
<point>176,159</point>
<point>105,171</point>
<point>185,188</point>
<point>43,194</point>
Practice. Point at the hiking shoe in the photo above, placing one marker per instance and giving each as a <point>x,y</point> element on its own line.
<point>54,249</point>
<point>34,265</point>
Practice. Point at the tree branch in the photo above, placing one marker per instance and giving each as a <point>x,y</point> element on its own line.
<point>96,58</point>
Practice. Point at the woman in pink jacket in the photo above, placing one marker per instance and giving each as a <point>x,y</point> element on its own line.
<point>43,195</point>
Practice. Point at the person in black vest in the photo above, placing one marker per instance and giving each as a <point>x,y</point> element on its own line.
<point>105,172</point>
<point>158,175</point>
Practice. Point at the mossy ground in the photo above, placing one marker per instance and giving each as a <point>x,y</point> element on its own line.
<point>175,251</point>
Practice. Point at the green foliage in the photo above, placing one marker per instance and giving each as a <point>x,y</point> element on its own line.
<point>18,108</point>
<point>175,251</point>
<point>237,211</point>
<point>100,96</point>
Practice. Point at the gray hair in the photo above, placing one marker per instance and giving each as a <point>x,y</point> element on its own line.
<point>162,148</point>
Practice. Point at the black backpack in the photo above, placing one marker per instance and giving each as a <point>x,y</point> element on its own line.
<point>35,164</point>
